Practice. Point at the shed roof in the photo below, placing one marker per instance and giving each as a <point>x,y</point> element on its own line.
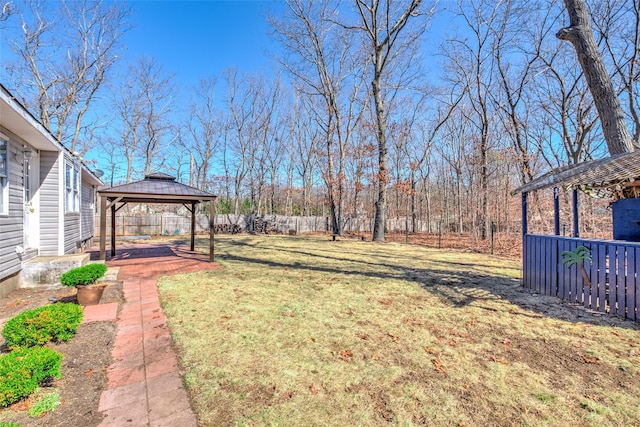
<point>608,176</point>
<point>157,188</point>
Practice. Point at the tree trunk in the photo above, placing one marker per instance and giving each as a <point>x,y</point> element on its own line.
<point>579,33</point>
<point>383,175</point>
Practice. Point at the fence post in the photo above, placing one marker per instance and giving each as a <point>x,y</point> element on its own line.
<point>493,232</point>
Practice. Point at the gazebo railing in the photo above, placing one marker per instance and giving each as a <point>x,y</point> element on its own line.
<point>614,273</point>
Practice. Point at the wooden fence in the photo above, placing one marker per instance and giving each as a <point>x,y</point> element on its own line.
<point>174,224</point>
<point>614,273</point>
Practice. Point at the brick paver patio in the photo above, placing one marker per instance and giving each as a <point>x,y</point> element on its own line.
<point>144,382</point>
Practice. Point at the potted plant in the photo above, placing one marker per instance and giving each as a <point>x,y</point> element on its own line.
<point>84,279</point>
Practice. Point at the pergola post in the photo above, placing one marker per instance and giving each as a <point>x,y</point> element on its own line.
<point>103,227</point>
<point>556,211</point>
<point>211,229</point>
<point>193,226</point>
<point>576,224</point>
<point>524,214</point>
<point>113,229</point>
<point>525,231</point>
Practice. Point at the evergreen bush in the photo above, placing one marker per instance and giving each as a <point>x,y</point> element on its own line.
<point>84,275</point>
<point>22,370</point>
<point>55,322</point>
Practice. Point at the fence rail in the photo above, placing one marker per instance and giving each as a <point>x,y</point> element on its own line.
<point>174,224</point>
<point>614,273</point>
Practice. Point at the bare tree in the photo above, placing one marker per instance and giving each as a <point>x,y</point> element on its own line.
<point>390,40</point>
<point>203,127</point>
<point>306,140</point>
<point>320,57</point>
<point>251,102</point>
<point>61,88</point>
<point>7,9</point>
<point>580,34</point>
<point>142,107</point>
<point>471,66</point>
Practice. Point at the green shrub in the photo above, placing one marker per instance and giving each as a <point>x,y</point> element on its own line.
<point>55,322</point>
<point>21,372</point>
<point>85,275</point>
<point>3,424</point>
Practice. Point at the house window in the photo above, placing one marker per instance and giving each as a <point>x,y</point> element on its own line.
<point>72,187</point>
<point>4,179</point>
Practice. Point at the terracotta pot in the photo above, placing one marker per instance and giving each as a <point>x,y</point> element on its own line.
<point>90,294</point>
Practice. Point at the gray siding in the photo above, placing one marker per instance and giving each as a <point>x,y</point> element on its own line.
<point>71,232</point>
<point>49,202</point>
<point>11,225</point>
<point>87,211</point>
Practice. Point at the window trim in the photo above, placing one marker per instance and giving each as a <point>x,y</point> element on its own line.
<point>4,179</point>
<point>71,187</point>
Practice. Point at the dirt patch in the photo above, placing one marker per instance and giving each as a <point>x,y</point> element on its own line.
<point>86,358</point>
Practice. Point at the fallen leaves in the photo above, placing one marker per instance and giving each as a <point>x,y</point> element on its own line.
<point>346,355</point>
<point>498,360</point>
<point>437,363</point>
<point>430,350</point>
<point>313,389</point>
<point>593,360</point>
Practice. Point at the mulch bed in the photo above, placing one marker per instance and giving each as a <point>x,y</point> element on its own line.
<point>86,358</point>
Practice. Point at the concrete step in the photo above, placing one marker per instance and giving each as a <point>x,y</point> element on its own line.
<point>46,270</point>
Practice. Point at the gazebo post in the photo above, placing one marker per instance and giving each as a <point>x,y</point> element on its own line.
<point>211,229</point>
<point>103,227</point>
<point>576,225</point>
<point>193,226</point>
<point>524,214</point>
<point>524,236</point>
<point>556,211</point>
<point>113,229</point>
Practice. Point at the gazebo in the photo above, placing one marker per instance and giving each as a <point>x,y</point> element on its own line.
<point>607,279</point>
<point>154,188</point>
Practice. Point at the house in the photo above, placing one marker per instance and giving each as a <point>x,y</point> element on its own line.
<point>47,194</point>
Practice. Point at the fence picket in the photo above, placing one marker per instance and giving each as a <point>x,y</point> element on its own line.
<point>574,276</point>
<point>528,270</point>
<point>548,290</point>
<point>613,279</point>
<point>621,281</point>
<point>631,280</point>
<point>562,289</point>
<point>637,283</point>
<point>601,262</point>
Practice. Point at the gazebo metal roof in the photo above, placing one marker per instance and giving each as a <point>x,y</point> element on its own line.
<point>157,188</point>
<point>154,188</point>
<point>609,175</point>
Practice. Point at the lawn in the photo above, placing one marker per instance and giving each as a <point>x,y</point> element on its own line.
<point>300,330</point>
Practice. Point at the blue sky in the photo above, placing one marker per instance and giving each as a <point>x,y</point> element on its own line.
<point>196,39</point>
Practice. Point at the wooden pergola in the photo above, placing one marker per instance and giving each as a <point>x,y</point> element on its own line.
<point>608,279</point>
<point>154,188</point>
<point>609,177</point>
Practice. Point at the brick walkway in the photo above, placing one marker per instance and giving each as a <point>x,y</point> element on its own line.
<point>145,385</point>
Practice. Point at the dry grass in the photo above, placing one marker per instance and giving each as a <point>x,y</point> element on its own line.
<point>304,331</point>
